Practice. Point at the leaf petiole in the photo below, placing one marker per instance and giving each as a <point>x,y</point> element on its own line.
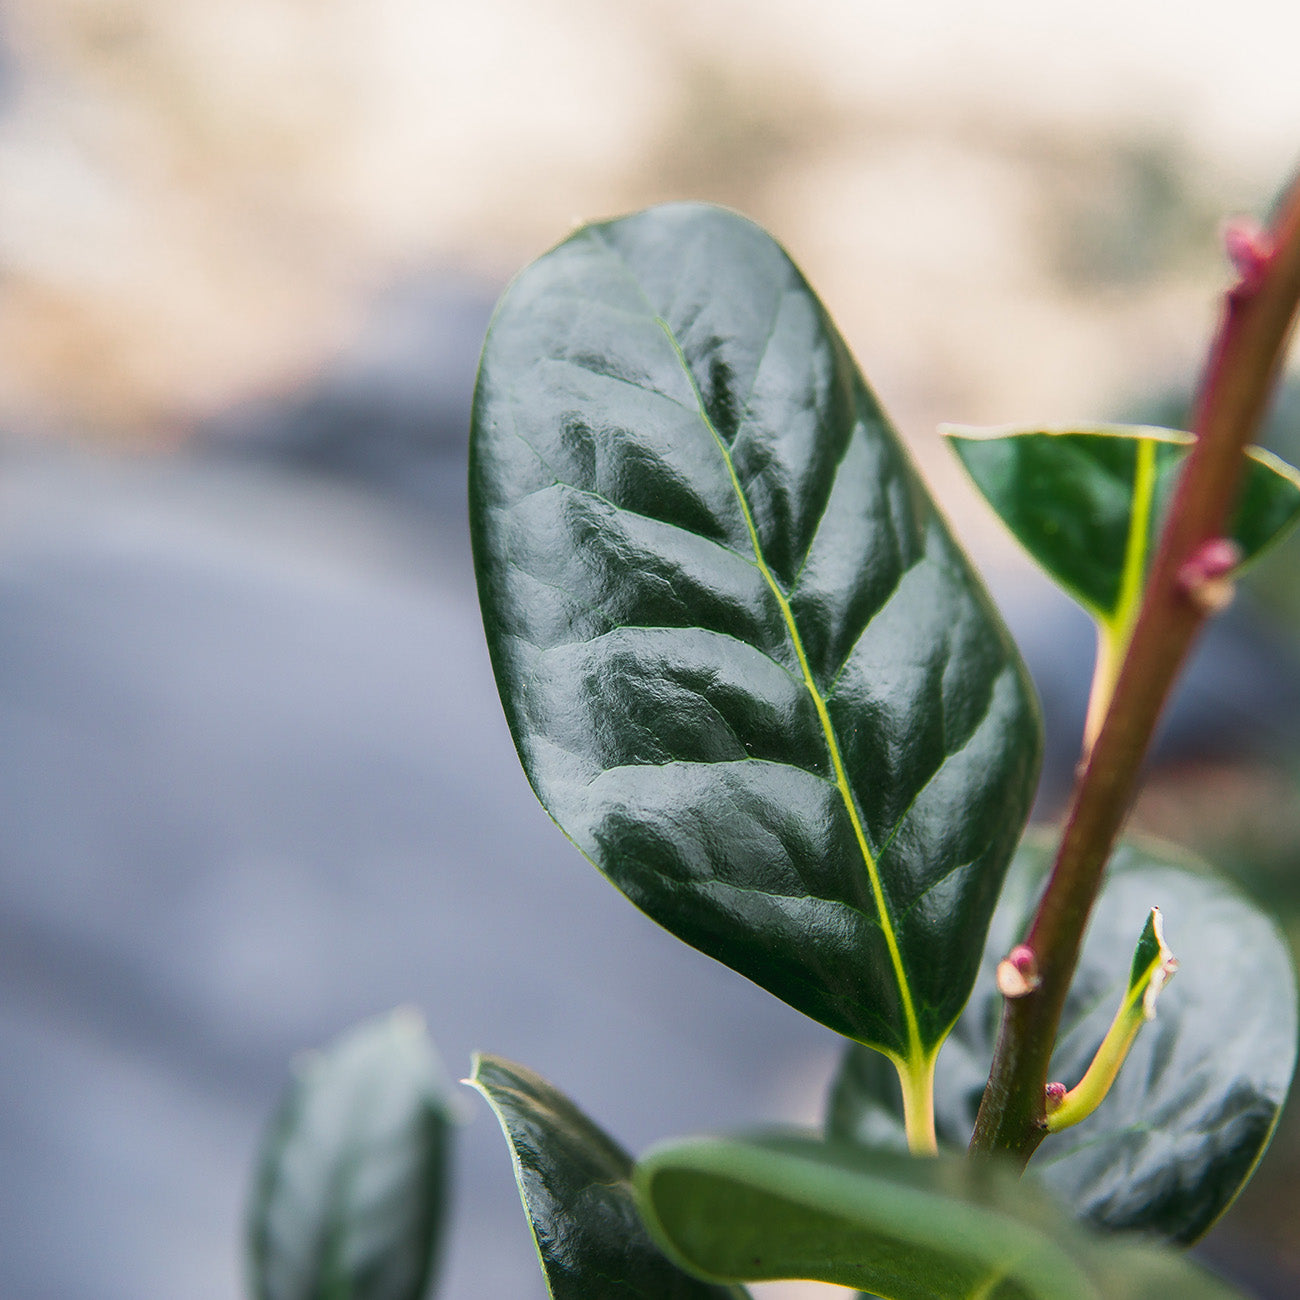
<point>917,1079</point>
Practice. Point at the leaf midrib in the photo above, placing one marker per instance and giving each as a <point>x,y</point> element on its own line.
<point>916,1051</point>
<point>1136,548</point>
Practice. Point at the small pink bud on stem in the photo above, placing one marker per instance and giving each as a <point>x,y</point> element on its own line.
<point>1018,972</point>
<point>1250,248</point>
<point>1206,576</point>
<point>1054,1095</point>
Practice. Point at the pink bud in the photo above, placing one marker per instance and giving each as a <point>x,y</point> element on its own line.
<point>1250,248</point>
<point>1205,575</point>
<point>1017,972</point>
<point>1054,1096</point>
<point>1023,959</point>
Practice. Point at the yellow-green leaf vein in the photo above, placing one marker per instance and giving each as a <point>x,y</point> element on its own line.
<point>917,1055</point>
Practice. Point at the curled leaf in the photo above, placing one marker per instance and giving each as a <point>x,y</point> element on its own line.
<point>1153,966</point>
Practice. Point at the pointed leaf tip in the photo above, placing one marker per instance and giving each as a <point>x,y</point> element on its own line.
<point>1157,967</point>
<point>575,1184</point>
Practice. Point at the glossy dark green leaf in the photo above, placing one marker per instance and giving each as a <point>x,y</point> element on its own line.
<point>747,670</point>
<point>762,1209</point>
<point>1195,1103</point>
<point>575,1183</point>
<point>1088,503</point>
<point>352,1186</point>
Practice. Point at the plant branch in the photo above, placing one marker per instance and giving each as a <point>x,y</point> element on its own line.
<point>1185,587</point>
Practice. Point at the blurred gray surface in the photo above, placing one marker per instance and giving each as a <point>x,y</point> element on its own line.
<point>256,785</point>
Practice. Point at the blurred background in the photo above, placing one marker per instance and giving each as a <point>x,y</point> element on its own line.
<point>254,780</point>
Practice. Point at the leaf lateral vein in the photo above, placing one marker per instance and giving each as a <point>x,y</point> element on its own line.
<point>916,1050</point>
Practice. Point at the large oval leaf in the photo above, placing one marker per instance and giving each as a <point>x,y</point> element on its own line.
<point>575,1183</point>
<point>909,1229</point>
<point>1197,1099</point>
<point>352,1186</point>
<point>746,668</point>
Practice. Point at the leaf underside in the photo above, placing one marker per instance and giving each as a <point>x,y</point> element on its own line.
<point>574,1181</point>
<point>352,1185</point>
<point>1075,500</point>
<point>1197,1099</point>
<point>747,670</point>
<point>766,1208</point>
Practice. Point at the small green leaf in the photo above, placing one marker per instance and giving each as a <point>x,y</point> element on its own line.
<point>768,1208</point>
<point>1088,504</point>
<point>747,670</point>
<point>575,1184</point>
<point>1153,966</point>
<point>1195,1104</point>
<point>352,1185</point>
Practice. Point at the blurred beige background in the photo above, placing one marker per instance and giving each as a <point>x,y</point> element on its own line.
<point>1011,207</point>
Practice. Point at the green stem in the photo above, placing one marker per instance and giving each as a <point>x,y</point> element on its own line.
<point>1242,370</point>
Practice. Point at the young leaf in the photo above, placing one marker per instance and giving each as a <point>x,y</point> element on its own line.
<point>1088,504</point>
<point>1153,966</point>
<point>352,1186</point>
<point>575,1184</point>
<point>766,1208</point>
<point>1195,1103</point>
<point>746,668</point>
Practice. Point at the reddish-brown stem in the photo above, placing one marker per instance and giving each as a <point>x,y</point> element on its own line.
<point>1242,369</point>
